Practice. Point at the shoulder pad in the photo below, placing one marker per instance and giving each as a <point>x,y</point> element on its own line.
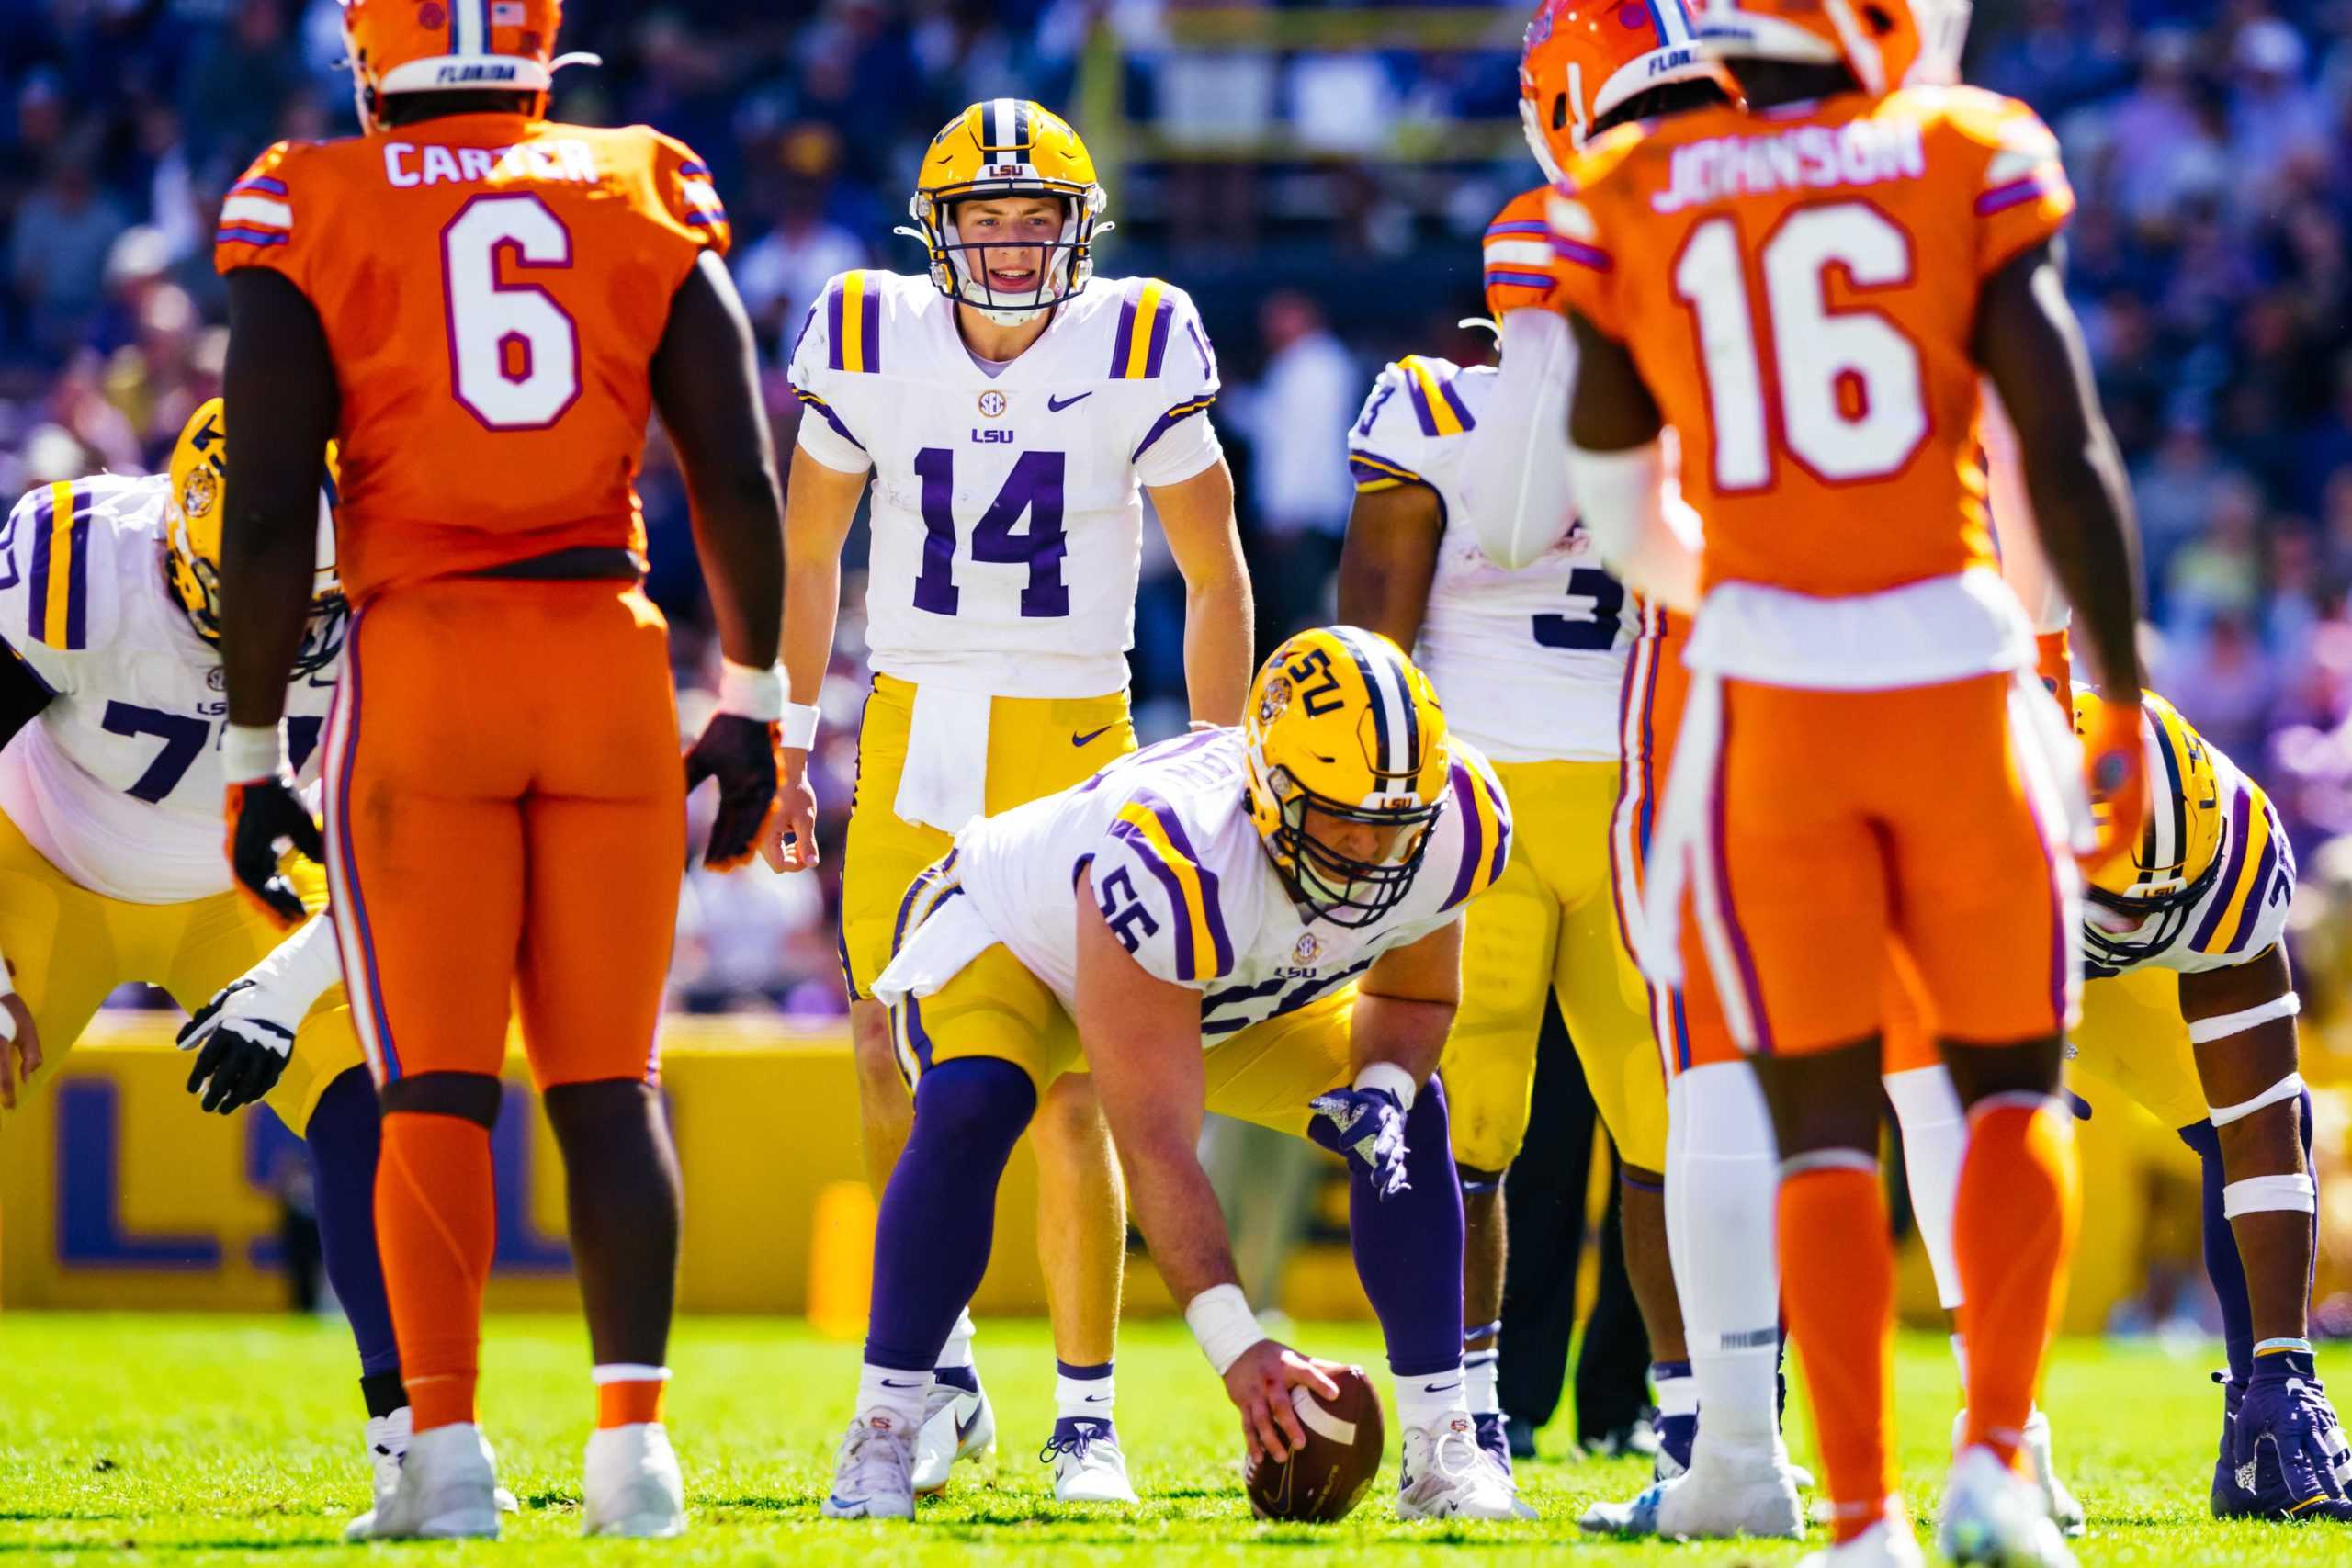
<point>258,214</point>
<point>1389,443</point>
<point>1482,813</point>
<point>1521,266</point>
<point>844,332</point>
<point>1163,901</point>
<point>682,182</point>
<point>1157,333</point>
<point>2247,911</point>
<point>60,587</point>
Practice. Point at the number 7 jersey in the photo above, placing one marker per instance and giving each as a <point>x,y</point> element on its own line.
<point>492,289</point>
<point>1799,289</point>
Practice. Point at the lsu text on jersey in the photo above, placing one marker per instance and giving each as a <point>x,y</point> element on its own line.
<point>1529,665</point>
<point>1843,244</point>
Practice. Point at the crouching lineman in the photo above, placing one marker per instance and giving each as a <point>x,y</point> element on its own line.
<point>1262,921</point>
<point>110,865</point>
<point>2189,1010</point>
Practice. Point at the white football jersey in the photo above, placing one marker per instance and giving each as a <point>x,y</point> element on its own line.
<point>2244,913</point>
<point>1007,516</point>
<point>118,782</point>
<point>1529,663</point>
<point>1164,839</point>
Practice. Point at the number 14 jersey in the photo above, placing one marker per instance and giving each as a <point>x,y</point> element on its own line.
<point>493,290</point>
<point>1006,508</point>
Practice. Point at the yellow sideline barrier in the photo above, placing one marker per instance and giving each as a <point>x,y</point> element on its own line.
<point>116,1194</point>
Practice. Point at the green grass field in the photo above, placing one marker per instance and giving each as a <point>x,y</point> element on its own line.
<point>197,1439</point>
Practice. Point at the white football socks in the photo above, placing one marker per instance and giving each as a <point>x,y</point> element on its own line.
<point>1084,1398</point>
<point>1426,1400</point>
<point>1935,1140</point>
<point>899,1394</point>
<point>1721,1185</point>
<point>1481,1376</point>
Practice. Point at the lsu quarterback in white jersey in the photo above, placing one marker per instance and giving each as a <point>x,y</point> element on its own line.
<point>1010,411</point>
<point>111,867</point>
<point>1261,922</point>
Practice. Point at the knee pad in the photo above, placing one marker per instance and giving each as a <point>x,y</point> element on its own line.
<point>977,1100</point>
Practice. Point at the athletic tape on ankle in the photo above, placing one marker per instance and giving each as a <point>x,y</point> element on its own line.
<point>2283,1348</point>
<point>627,1371</point>
<point>1221,1320</point>
<point>2203,1030</point>
<point>2268,1194</point>
<point>1829,1159</point>
<point>2288,1088</point>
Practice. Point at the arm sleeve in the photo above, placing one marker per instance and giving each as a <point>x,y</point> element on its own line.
<point>1164,906</point>
<point>1515,468</point>
<point>817,374</point>
<point>258,225</point>
<point>1179,441</point>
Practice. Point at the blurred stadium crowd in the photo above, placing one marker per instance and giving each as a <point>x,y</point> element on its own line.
<point>1316,177</point>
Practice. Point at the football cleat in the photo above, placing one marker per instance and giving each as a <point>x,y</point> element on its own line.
<point>2066,1511</point>
<point>2288,1455</point>
<point>1088,1464</point>
<point>1886,1544</point>
<point>447,1488</point>
<point>1995,1517</point>
<point>874,1473</point>
<point>386,1438</point>
<point>1446,1476</point>
<point>631,1483</point>
<point>2228,1501</point>
<point>1636,1441</point>
<point>1675,1436</point>
<point>1726,1492</point>
<point>958,1424</point>
<point>1493,1433</point>
<point>1520,1435</point>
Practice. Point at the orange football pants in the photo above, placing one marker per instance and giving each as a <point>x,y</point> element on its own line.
<point>1688,1021</point>
<point>505,819</point>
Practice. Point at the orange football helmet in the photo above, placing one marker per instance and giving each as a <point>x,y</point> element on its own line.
<point>425,46</point>
<point>1886,44</point>
<point>1584,58</point>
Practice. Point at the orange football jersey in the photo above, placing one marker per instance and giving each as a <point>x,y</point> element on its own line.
<point>1799,289</point>
<point>1521,270</point>
<point>492,290</point>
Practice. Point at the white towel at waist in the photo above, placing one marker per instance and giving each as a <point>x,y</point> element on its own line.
<point>946,780</point>
<point>935,951</point>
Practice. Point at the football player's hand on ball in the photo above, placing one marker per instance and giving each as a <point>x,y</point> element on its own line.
<point>1366,1128</point>
<point>790,842</point>
<point>266,818</point>
<point>241,1045</point>
<point>743,755</point>
<point>1260,1385</point>
<point>19,1048</point>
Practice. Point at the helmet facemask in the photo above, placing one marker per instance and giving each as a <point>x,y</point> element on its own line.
<point>2123,928</point>
<point>1339,887</point>
<point>959,265</point>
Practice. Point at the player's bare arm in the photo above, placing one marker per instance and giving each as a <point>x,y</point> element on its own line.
<point>1142,1036</point>
<point>1389,559</point>
<point>1197,516</point>
<point>820,504</point>
<point>1404,1004</point>
<point>705,378</point>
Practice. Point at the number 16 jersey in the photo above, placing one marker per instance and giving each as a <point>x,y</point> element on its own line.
<point>1007,516</point>
<point>493,289</point>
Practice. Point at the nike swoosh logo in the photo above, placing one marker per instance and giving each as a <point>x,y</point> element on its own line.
<point>1426,1388</point>
<point>1091,735</point>
<point>1056,405</point>
<point>888,1384</point>
<point>1098,1399</point>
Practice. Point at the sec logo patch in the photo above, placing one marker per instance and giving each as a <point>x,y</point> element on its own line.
<point>993,405</point>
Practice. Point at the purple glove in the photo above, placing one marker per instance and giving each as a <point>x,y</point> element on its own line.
<point>1366,1128</point>
<point>2289,1449</point>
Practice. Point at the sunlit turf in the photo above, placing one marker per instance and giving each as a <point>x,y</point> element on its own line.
<point>197,1439</point>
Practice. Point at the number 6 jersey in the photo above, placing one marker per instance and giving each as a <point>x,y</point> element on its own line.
<point>492,289</point>
<point>1007,520</point>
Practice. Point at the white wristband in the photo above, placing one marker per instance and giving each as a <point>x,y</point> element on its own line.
<point>1221,1320</point>
<point>250,751</point>
<point>799,727</point>
<point>749,693</point>
<point>1392,1078</point>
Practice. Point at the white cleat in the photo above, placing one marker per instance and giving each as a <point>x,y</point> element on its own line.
<point>873,1474</point>
<point>956,1427</point>
<point>386,1438</point>
<point>2066,1511</point>
<point>1088,1466</point>
<point>447,1487</point>
<point>1446,1476</point>
<point>1886,1544</point>
<point>1726,1492</point>
<point>632,1485</point>
<point>1995,1517</point>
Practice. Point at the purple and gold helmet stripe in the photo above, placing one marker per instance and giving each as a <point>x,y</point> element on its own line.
<point>854,323</point>
<point>60,568</point>
<point>1140,345</point>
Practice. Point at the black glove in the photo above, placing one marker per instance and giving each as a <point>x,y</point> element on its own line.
<point>266,818</point>
<point>240,1049</point>
<point>746,757</point>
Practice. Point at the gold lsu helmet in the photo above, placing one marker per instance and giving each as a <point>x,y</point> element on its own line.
<point>2139,901</point>
<point>1007,147</point>
<point>193,514</point>
<point>1339,720</point>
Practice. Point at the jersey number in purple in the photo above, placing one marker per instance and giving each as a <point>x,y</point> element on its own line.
<point>1122,911</point>
<point>1593,631</point>
<point>184,739</point>
<point>1034,488</point>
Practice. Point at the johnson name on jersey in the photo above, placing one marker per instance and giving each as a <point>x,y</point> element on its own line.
<point>1530,663</point>
<point>1007,517</point>
<point>117,782</point>
<point>1165,844</point>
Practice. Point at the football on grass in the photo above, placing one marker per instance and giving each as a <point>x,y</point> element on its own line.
<point>1328,1477</point>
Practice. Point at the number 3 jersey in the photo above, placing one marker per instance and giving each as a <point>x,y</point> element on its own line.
<point>1161,841</point>
<point>117,782</point>
<point>1530,663</point>
<point>493,289</point>
<point>1007,516</point>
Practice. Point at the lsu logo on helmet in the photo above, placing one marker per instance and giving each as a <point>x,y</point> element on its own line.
<point>1344,740</point>
<point>998,148</point>
<point>192,516</point>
